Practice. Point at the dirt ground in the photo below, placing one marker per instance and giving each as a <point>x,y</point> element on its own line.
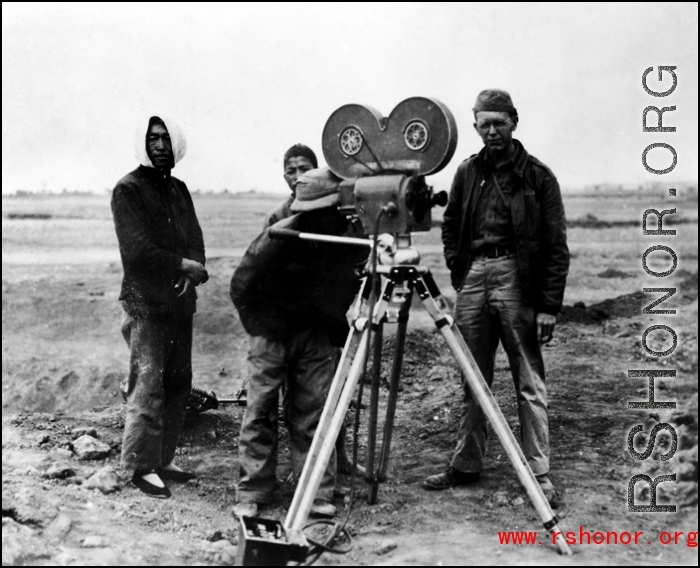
<point>63,360</point>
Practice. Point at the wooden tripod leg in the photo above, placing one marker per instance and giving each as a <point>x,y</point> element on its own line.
<point>436,307</point>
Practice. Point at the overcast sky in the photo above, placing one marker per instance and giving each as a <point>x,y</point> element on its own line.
<point>246,81</point>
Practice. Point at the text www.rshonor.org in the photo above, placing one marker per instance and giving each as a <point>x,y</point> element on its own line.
<point>585,537</point>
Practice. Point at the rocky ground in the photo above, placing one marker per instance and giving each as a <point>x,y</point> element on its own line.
<point>66,502</point>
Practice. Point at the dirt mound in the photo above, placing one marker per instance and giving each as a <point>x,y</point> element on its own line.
<point>65,350</point>
<point>591,221</point>
<point>689,285</point>
<point>28,216</point>
<point>63,391</point>
<point>614,273</point>
<point>625,306</point>
<point>579,314</point>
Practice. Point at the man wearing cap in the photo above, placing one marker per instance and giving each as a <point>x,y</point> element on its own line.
<point>297,160</point>
<point>292,297</point>
<point>162,252</point>
<point>504,238</point>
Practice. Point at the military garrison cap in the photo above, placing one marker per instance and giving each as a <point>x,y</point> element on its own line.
<point>494,100</point>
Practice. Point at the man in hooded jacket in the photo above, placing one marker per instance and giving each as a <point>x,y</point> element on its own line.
<point>162,252</point>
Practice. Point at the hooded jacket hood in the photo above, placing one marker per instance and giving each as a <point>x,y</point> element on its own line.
<point>177,139</point>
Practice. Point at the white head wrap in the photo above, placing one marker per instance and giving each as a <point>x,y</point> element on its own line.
<point>177,139</point>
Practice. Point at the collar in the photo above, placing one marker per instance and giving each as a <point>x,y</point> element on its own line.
<point>518,159</point>
<point>155,174</point>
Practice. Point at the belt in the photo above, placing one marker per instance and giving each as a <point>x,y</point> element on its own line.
<point>494,251</point>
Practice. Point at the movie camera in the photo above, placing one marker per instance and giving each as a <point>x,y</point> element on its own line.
<point>383,161</point>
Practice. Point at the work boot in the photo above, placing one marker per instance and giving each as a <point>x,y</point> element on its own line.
<point>451,477</point>
<point>245,509</point>
<point>550,492</point>
<point>323,508</point>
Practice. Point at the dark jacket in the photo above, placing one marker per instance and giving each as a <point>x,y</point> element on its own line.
<point>156,227</point>
<point>284,285</point>
<point>539,228</point>
<point>282,211</point>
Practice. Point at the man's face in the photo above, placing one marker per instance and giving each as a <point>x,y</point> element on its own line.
<point>496,129</point>
<point>159,147</point>
<point>295,166</point>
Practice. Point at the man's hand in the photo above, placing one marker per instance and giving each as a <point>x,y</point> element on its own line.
<point>194,270</point>
<point>545,327</point>
<point>183,284</point>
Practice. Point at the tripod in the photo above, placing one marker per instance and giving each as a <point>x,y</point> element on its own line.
<point>404,279</point>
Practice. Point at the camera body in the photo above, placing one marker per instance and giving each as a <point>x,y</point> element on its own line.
<point>365,197</point>
<point>384,160</point>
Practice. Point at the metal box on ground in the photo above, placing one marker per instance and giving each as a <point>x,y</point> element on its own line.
<point>266,542</point>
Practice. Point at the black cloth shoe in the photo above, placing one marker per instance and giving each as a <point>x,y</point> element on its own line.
<point>174,475</point>
<point>451,478</point>
<point>148,488</point>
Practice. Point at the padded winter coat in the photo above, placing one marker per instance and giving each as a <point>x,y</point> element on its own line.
<point>284,285</point>
<point>156,227</point>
